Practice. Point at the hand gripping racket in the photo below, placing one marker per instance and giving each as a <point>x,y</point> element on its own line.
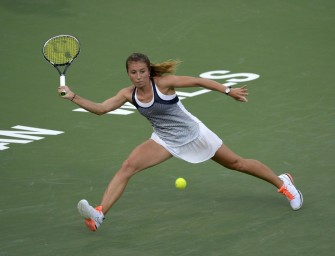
<point>60,51</point>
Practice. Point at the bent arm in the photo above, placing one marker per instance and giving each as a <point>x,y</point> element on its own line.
<point>97,108</point>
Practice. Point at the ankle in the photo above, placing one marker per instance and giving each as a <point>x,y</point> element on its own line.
<point>99,208</point>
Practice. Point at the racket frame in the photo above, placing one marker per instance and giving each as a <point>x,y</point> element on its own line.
<point>57,66</point>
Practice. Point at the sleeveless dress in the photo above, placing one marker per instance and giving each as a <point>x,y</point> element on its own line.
<point>176,129</point>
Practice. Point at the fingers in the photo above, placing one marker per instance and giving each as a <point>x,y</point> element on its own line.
<point>240,93</point>
<point>63,91</point>
<point>62,87</point>
<point>243,90</point>
<point>243,99</point>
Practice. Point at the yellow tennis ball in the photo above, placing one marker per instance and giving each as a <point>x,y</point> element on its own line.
<point>180,183</point>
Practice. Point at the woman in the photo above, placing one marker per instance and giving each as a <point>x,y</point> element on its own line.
<point>176,132</point>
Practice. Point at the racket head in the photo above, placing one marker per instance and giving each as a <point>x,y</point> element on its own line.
<point>61,50</point>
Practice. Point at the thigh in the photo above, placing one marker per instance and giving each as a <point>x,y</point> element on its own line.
<point>148,154</point>
<point>226,157</point>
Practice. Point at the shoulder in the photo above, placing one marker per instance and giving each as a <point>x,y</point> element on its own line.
<point>165,83</point>
<point>165,80</point>
<point>173,81</point>
<point>126,92</point>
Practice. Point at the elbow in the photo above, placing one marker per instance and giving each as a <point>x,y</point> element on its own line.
<point>101,111</point>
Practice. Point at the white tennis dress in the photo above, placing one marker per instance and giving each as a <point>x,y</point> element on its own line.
<point>176,129</point>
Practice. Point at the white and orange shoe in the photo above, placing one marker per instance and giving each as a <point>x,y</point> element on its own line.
<point>93,216</point>
<point>290,191</point>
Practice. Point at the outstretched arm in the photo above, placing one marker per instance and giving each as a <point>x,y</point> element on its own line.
<point>238,94</point>
<point>97,108</point>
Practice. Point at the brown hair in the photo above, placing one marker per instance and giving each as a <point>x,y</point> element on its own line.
<point>159,69</point>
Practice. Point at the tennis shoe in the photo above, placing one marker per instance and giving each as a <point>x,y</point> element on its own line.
<point>290,191</point>
<point>93,216</point>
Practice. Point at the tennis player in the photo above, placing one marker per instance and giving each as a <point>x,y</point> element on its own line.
<point>176,132</point>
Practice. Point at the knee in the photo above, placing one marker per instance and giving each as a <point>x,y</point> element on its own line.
<point>128,169</point>
<point>237,164</point>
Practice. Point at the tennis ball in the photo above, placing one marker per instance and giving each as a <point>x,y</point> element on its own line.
<point>180,183</point>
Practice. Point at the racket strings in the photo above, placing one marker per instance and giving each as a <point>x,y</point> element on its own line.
<point>61,50</point>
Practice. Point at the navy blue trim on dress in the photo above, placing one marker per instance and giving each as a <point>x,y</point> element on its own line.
<point>156,96</point>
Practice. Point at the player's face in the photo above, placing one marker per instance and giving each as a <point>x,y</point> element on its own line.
<point>138,73</point>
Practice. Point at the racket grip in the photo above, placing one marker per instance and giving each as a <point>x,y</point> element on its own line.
<point>62,83</point>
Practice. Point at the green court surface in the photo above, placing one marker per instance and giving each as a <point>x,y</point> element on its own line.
<point>288,124</point>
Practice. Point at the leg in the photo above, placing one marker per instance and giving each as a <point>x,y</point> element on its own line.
<point>229,159</point>
<point>284,182</point>
<point>142,157</point>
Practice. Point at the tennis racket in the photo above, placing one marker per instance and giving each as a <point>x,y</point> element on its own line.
<point>60,51</point>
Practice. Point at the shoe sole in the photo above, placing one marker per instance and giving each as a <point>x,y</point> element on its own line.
<point>83,206</point>
<point>302,200</point>
<point>90,224</point>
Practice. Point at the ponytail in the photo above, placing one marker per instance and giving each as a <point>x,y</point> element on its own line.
<point>166,67</point>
